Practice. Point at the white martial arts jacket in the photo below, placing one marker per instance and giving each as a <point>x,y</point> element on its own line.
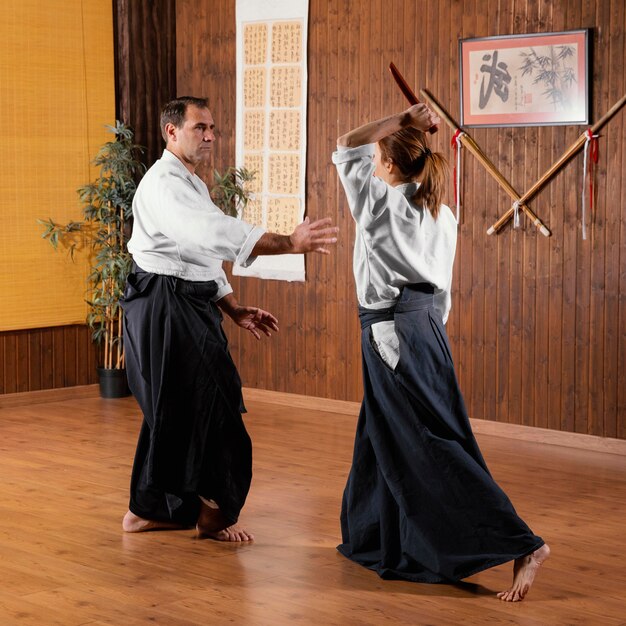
<point>397,242</point>
<point>179,231</point>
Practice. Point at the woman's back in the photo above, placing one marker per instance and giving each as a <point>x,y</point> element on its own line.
<point>397,242</point>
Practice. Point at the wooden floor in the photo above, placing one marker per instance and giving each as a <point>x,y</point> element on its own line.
<point>64,469</point>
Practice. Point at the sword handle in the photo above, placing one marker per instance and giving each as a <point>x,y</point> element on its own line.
<point>407,91</point>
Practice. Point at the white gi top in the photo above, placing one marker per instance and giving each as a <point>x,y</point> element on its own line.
<point>397,242</point>
<point>179,231</point>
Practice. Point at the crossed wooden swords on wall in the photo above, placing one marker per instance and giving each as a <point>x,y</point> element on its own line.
<point>519,202</point>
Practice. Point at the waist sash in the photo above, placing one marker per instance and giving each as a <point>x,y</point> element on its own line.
<point>412,298</point>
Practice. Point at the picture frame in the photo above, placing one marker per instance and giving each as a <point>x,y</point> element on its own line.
<point>539,79</point>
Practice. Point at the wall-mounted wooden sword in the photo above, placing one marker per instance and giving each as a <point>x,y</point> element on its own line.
<point>560,163</point>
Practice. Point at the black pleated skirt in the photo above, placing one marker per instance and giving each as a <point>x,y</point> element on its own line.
<point>420,503</point>
<point>193,440</point>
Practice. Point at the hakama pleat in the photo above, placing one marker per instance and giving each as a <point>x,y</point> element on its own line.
<point>193,440</point>
<point>420,503</point>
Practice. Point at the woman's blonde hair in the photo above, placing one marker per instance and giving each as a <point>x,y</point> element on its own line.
<point>409,152</point>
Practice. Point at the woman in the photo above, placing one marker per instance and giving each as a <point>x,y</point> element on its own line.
<point>420,503</point>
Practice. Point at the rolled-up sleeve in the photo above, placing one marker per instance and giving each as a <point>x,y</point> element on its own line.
<point>366,194</point>
<point>223,286</point>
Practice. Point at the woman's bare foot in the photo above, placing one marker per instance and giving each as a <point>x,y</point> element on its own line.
<point>134,524</point>
<point>211,524</point>
<point>524,572</point>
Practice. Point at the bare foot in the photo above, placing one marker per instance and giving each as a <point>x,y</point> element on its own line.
<point>524,572</point>
<point>211,524</point>
<point>134,524</point>
<point>231,533</point>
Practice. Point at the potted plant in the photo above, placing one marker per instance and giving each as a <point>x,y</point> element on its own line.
<point>107,208</point>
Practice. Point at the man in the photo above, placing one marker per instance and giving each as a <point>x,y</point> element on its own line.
<point>193,463</point>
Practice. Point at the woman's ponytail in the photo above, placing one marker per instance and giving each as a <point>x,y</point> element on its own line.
<point>408,150</point>
<point>434,174</point>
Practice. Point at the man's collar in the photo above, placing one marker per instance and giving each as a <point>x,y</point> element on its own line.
<point>170,157</point>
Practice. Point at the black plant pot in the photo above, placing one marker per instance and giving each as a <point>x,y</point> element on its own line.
<point>113,383</point>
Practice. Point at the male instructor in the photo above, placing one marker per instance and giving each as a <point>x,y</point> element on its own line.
<point>193,463</point>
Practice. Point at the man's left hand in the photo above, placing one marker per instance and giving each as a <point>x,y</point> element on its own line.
<point>254,320</point>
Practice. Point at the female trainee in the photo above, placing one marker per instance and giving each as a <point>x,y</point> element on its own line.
<point>420,503</point>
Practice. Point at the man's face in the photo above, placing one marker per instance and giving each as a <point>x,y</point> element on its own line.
<point>193,142</point>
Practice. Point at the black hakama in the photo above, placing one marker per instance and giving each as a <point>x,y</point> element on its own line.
<point>420,503</point>
<point>193,441</point>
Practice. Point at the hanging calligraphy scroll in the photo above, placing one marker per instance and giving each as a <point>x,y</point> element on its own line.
<point>525,80</point>
<point>271,122</point>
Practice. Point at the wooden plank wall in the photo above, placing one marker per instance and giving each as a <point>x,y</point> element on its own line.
<point>145,67</point>
<point>46,358</point>
<point>538,326</point>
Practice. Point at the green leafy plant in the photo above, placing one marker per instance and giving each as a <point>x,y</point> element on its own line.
<point>230,191</point>
<point>107,208</point>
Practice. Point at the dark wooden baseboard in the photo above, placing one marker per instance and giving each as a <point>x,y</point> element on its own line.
<point>481,427</point>
<point>48,395</point>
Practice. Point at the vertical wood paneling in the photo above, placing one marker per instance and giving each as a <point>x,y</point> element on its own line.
<point>2,367</point>
<point>620,333</point>
<point>70,377</point>
<point>583,262</point>
<point>615,186</point>
<point>462,352</point>
<point>145,32</point>
<point>46,358</point>
<point>547,297</point>
<point>346,223</point>
<point>34,360</point>
<point>83,348</point>
<point>58,364</point>
<point>316,331</point>
<point>595,401</point>
<point>337,349</point>
<point>537,326</point>
<point>21,362</point>
<point>534,373</point>
<point>10,363</point>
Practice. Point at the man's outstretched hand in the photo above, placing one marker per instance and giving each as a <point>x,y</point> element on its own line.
<point>307,237</point>
<point>313,236</point>
<point>255,320</point>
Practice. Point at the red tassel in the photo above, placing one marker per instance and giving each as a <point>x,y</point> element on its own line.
<point>593,158</point>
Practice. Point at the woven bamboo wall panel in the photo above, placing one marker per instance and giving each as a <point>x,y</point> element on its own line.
<point>538,326</point>
<point>56,95</point>
<point>45,358</point>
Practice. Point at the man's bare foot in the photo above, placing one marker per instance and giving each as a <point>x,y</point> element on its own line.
<point>524,572</point>
<point>211,524</point>
<point>232,533</point>
<point>134,524</point>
